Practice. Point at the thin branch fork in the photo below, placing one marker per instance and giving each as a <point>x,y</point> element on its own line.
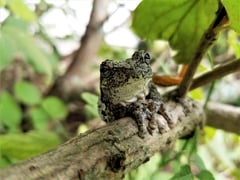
<point>216,73</point>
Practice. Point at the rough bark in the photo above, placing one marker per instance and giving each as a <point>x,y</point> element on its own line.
<point>110,151</point>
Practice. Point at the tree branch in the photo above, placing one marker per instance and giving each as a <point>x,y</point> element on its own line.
<point>115,149</point>
<point>206,41</point>
<point>78,73</point>
<point>216,73</point>
<point>222,116</point>
<point>110,151</point>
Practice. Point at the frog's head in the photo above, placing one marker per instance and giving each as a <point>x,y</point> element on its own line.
<point>123,80</point>
<point>140,62</point>
<point>141,57</point>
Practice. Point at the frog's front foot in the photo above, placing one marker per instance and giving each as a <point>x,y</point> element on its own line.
<point>149,116</point>
<point>157,122</point>
<point>159,118</point>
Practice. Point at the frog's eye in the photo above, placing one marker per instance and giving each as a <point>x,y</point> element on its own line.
<point>135,55</point>
<point>146,56</point>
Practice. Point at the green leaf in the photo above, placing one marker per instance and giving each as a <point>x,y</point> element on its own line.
<point>18,23</point>
<point>235,173</point>
<point>233,10</point>
<point>91,108</point>
<point>19,8</point>
<point>181,22</point>
<point>8,45</point>
<point>234,42</point>
<point>27,93</point>
<point>26,145</point>
<point>198,162</point>
<point>39,118</point>
<point>55,108</point>
<point>7,50</point>
<point>205,174</point>
<point>91,112</point>
<point>27,46</point>
<point>10,112</point>
<point>183,174</point>
<point>4,162</point>
<point>90,98</point>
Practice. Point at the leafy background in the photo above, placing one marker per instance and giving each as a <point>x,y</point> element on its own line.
<point>33,121</point>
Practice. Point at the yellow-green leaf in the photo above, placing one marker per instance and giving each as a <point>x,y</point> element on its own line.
<point>2,2</point>
<point>19,8</point>
<point>22,146</point>
<point>233,10</point>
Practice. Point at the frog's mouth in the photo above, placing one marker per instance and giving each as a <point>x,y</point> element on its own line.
<point>132,91</point>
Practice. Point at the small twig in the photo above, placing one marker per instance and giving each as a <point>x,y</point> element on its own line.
<point>216,73</point>
<point>206,41</point>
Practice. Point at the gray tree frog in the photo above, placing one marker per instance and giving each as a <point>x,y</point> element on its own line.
<point>127,91</point>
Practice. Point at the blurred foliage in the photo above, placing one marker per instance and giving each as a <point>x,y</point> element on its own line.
<point>19,8</point>
<point>11,114</point>
<point>32,122</point>
<point>181,161</point>
<point>27,93</point>
<point>233,9</point>
<point>54,107</point>
<point>16,40</point>
<point>91,107</point>
<point>22,100</point>
<point>15,147</point>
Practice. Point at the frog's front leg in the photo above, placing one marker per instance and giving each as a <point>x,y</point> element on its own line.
<point>153,93</point>
<point>139,113</point>
<point>159,117</point>
<point>153,107</point>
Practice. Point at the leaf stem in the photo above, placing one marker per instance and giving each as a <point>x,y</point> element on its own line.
<point>207,39</point>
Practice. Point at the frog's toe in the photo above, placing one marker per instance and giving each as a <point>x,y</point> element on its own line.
<point>142,130</point>
<point>141,134</point>
<point>152,125</point>
<point>162,124</point>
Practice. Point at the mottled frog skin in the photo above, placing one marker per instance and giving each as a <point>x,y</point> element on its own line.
<point>127,91</point>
